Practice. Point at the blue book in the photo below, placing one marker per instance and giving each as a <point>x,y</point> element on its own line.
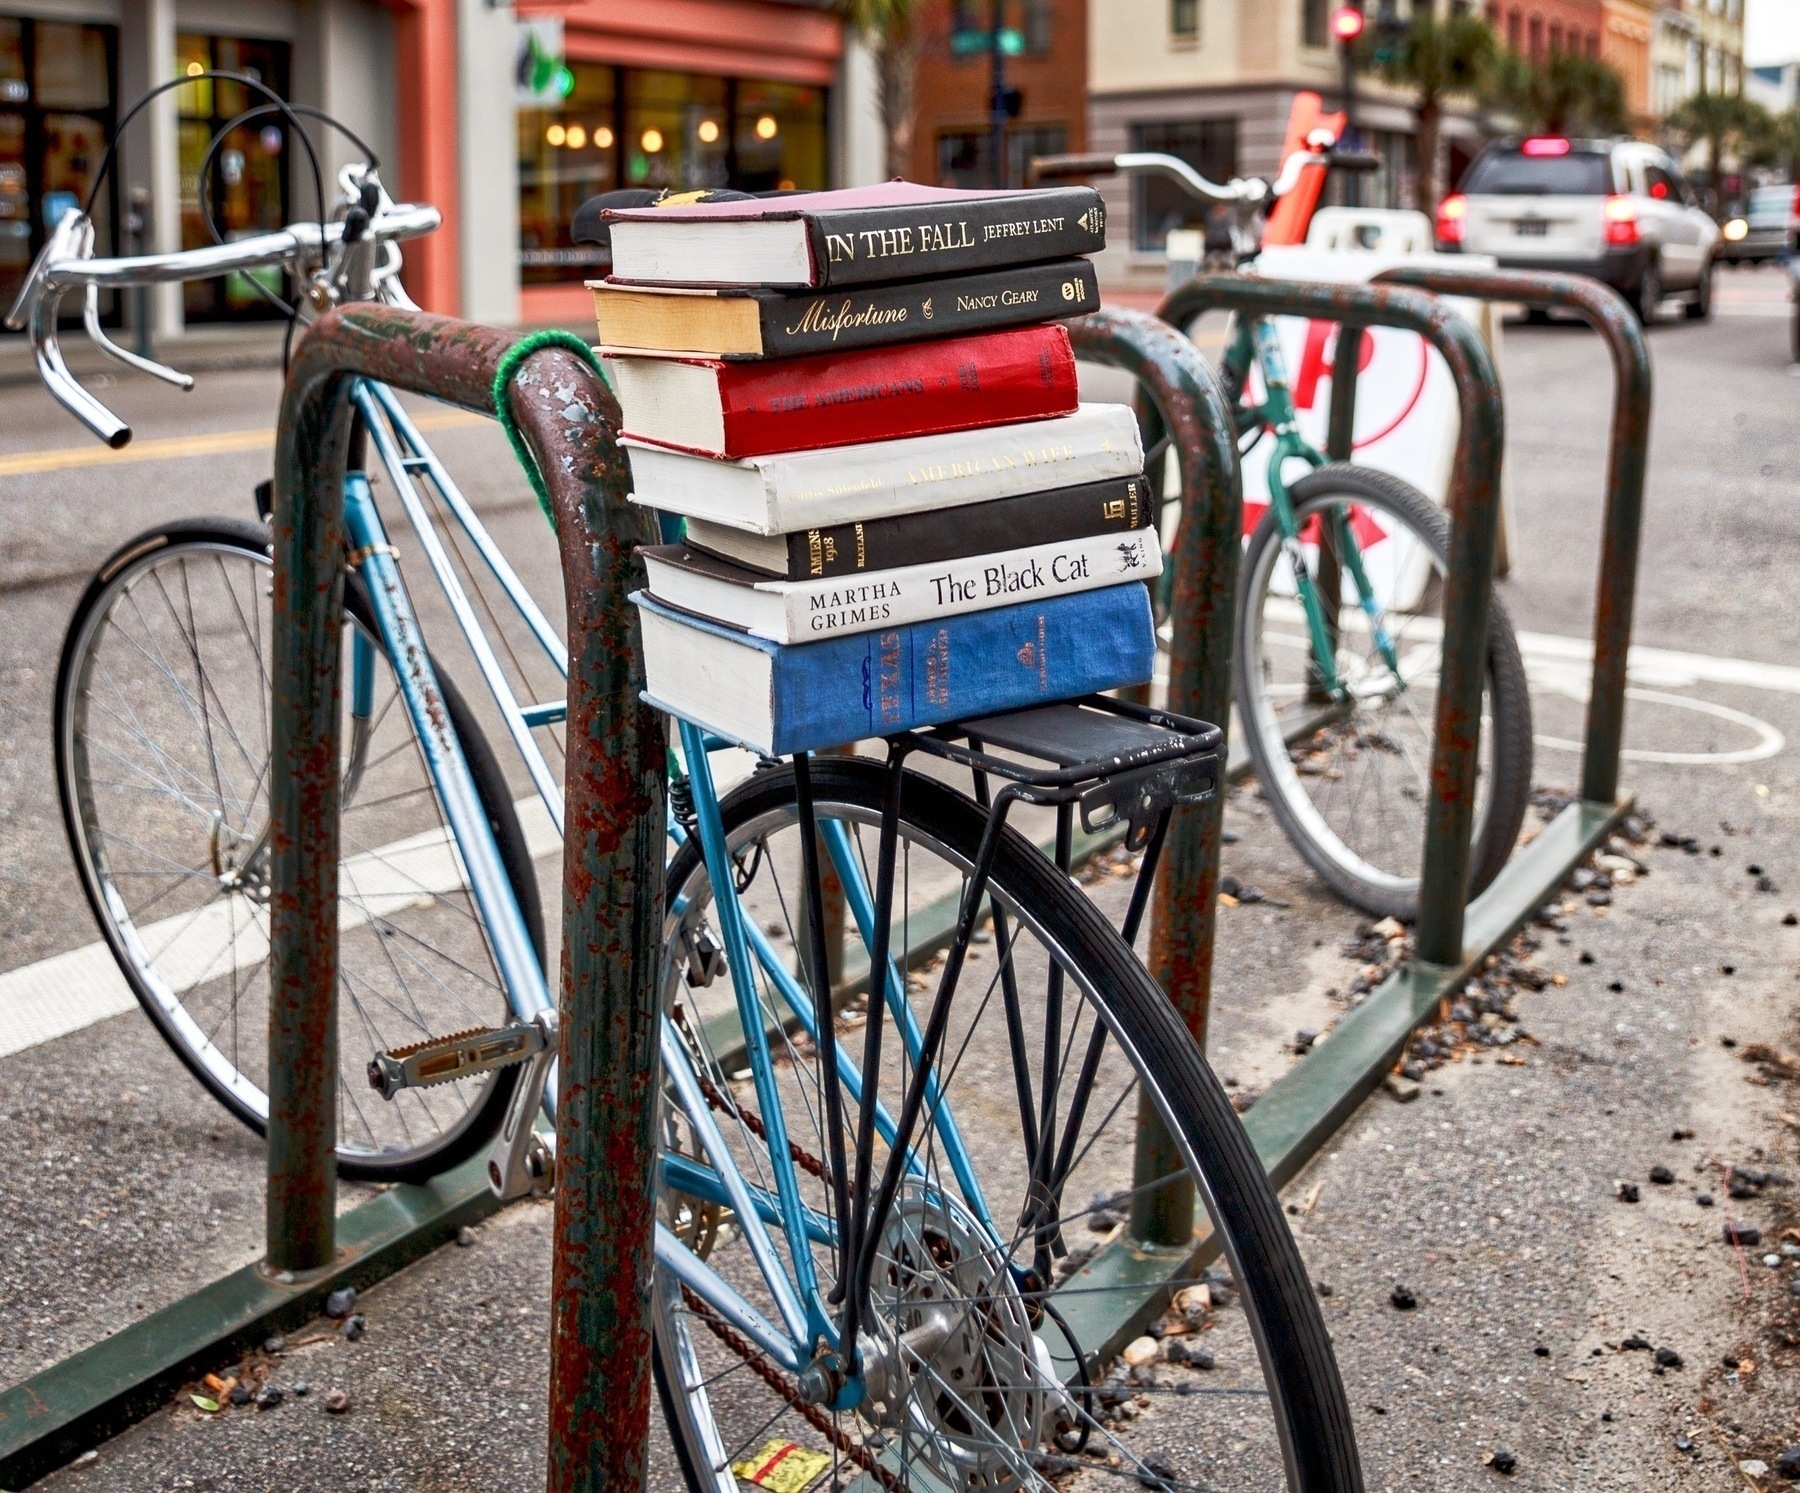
<point>780,698</point>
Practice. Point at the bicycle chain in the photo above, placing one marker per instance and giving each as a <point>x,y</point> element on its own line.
<point>789,1391</point>
<point>805,1160</point>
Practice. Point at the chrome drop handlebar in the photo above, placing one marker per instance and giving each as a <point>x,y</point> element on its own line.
<point>67,263</point>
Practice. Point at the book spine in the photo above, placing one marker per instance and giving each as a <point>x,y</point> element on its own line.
<point>922,593</point>
<point>950,471</point>
<point>896,679</point>
<point>1064,513</point>
<point>845,399</point>
<point>910,311</point>
<point>864,245</point>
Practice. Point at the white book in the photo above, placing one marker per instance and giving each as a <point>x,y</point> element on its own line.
<point>807,611</point>
<point>852,484</point>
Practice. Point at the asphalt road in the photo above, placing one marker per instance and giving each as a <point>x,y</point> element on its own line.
<point>1492,1198</point>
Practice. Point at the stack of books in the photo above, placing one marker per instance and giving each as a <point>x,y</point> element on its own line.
<point>897,511</point>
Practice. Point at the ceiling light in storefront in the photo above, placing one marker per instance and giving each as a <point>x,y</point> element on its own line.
<point>603,137</point>
<point>766,128</point>
<point>194,69</point>
<point>708,131</point>
<point>556,134</point>
<point>577,137</point>
<point>651,141</point>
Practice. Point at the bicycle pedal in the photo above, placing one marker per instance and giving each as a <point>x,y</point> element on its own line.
<point>440,1060</point>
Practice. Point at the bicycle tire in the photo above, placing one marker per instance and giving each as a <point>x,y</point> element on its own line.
<point>250,540</point>
<point>1296,1354</point>
<point>1499,813</point>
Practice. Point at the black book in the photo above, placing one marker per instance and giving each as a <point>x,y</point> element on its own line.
<point>861,235</point>
<point>748,324</point>
<point>1058,516</point>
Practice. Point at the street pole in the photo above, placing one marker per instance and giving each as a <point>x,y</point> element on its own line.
<point>997,94</point>
<point>1347,26</point>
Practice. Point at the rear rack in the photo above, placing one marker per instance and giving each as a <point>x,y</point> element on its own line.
<point>1116,759</point>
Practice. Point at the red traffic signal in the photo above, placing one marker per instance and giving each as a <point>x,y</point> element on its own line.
<point>1347,23</point>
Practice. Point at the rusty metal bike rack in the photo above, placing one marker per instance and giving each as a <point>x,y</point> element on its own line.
<point>1628,456</point>
<point>1300,1111</point>
<point>612,917</point>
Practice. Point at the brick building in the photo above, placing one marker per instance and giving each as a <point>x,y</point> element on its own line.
<point>1535,28</point>
<point>952,143</point>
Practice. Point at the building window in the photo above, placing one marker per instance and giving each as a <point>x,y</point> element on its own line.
<point>1036,25</point>
<point>1210,146</point>
<point>1514,24</point>
<point>965,157</point>
<point>630,127</point>
<point>1314,16</point>
<point>1184,20</point>
<point>56,113</point>
<point>1536,32</point>
<point>246,185</point>
<point>1556,36</point>
<point>964,18</point>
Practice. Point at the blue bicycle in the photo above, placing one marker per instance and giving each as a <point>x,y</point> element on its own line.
<point>934,1146</point>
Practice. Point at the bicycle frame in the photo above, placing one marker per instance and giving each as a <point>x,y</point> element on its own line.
<point>806,1327</point>
<point>1257,342</point>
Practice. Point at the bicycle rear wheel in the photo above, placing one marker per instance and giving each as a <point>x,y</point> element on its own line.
<point>1349,779</point>
<point>983,1302</point>
<point>162,756</point>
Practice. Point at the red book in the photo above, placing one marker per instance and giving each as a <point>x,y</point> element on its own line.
<point>733,410</point>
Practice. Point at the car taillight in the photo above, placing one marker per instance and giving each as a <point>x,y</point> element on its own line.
<point>1452,216</point>
<point>1795,210</point>
<point>1621,221</point>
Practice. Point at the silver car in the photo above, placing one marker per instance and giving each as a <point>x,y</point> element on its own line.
<point>1619,210</point>
<point>1764,229</point>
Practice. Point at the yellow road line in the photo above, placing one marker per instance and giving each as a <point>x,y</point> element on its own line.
<point>169,448</point>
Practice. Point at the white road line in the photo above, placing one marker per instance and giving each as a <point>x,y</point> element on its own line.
<point>67,992</point>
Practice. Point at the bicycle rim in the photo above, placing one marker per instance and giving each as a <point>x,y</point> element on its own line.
<point>162,745</point>
<point>983,1392</point>
<point>1350,779</point>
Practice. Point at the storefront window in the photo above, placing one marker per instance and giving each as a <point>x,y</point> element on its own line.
<point>246,187</point>
<point>677,131</point>
<point>56,111</point>
<point>780,137</point>
<point>567,154</point>
<point>628,127</point>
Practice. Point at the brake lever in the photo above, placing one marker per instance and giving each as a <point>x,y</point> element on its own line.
<point>90,318</point>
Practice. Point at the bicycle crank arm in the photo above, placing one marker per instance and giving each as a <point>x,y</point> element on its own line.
<point>440,1060</point>
<point>522,1160</point>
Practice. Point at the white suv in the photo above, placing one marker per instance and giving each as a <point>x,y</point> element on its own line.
<point>1619,210</point>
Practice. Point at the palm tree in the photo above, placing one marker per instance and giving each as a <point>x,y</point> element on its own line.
<point>1436,58</point>
<point>1564,94</point>
<point>890,30</point>
<point>1729,123</point>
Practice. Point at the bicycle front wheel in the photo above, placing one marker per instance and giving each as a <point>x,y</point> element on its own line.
<point>1348,774</point>
<point>162,760</point>
<point>1075,1143</point>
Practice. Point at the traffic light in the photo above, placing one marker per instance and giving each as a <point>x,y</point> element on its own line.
<point>1347,23</point>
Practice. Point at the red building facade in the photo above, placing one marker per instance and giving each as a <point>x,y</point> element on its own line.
<point>951,120</point>
<point>1536,28</point>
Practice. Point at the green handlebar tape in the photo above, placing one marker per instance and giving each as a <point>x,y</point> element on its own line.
<point>515,355</point>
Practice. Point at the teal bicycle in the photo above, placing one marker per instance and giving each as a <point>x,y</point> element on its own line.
<point>926,1119</point>
<point>1340,618</point>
